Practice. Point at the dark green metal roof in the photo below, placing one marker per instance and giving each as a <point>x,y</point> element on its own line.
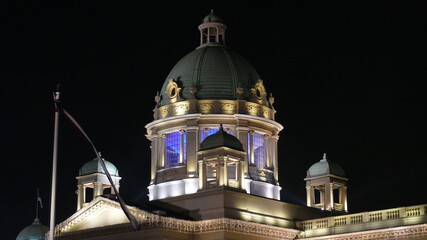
<point>215,70</point>
<point>325,167</point>
<point>35,231</point>
<point>221,139</point>
<point>212,17</point>
<point>95,166</point>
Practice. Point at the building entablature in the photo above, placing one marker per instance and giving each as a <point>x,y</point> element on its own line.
<point>197,121</point>
<point>328,176</point>
<point>214,106</point>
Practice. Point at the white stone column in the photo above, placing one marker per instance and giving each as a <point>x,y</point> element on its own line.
<point>344,198</point>
<point>309,194</point>
<point>209,35</point>
<point>267,151</point>
<point>275,139</point>
<point>162,152</point>
<point>251,148</point>
<point>192,148</point>
<point>238,173</point>
<point>225,174</point>
<point>97,189</point>
<point>219,169</point>
<point>202,175</point>
<point>329,196</point>
<point>154,156</point>
<point>242,135</point>
<point>181,147</point>
<point>80,196</point>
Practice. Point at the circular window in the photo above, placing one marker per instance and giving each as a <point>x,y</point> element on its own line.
<point>258,93</point>
<point>172,92</point>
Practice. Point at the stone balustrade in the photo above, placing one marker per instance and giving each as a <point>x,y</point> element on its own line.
<point>403,213</point>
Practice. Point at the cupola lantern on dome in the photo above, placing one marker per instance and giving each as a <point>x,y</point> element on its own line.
<point>212,30</point>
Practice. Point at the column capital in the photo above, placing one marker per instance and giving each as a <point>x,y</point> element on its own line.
<point>191,128</point>
<point>241,128</point>
<point>275,137</point>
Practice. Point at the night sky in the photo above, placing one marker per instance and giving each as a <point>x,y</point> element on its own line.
<point>348,78</point>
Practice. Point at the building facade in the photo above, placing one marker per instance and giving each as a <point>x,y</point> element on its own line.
<point>214,167</point>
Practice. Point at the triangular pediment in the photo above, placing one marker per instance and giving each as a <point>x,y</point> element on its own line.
<point>101,212</point>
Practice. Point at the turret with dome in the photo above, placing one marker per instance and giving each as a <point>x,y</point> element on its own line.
<point>93,177</point>
<point>326,186</point>
<point>37,230</point>
<point>209,86</point>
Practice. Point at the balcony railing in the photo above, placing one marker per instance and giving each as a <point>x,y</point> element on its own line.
<point>365,217</point>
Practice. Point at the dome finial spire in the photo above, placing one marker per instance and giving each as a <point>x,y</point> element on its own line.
<point>324,157</point>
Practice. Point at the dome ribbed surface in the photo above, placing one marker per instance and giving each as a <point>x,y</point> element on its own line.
<point>95,166</point>
<point>325,167</point>
<point>212,17</point>
<point>215,70</point>
<point>35,231</point>
<point>221,139</point>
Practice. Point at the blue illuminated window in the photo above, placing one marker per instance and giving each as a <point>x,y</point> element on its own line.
<point>210,132</point>
<point>259,145</point>
<point>173,146</point>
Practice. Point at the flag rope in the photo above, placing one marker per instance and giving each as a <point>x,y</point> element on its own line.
<point>131,218</point>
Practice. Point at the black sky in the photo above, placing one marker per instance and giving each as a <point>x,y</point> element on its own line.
<point>348,77</point>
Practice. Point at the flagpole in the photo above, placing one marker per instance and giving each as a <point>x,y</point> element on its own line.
<point>54,166</point>
<point>37,204</point>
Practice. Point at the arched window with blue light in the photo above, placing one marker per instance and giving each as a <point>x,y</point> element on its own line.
<point>257,144</point>
<point>174,151</point>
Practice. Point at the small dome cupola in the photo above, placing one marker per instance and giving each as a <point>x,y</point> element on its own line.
<point>326,186</point>
<point>325,167</point>
<point>92,181</point>
<point>221,139</point>
<point>221,161</point>
<point>212,30</point>
<point>35,231</point>
<point>95,166</point>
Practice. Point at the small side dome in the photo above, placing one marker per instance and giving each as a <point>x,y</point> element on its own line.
<point>35,231</point>
<point>212,17</point>
<point>95,166</point>
<point>221,139</point>
<point>325,167</point>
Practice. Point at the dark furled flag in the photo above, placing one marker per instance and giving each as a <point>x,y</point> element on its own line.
<point>131,218</point>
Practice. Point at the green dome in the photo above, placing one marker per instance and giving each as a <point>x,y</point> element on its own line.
<point>95,166</point>
<point>35,231</point>
<point>221,139</point>
<point>216,71</point>
<point>212,17</point>
<point>325,167</point>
